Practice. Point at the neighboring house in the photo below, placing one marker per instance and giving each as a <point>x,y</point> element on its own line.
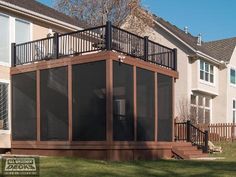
<point>23,21</point>
<point>206,85</point>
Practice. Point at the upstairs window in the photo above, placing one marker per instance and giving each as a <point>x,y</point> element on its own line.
<point>234,111</point>
<point>206,72</point>
<point>22,32</point>
<point>5,38</point>
<point>232,76</point>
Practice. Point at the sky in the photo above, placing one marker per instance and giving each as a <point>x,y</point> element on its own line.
<point>214,19</point>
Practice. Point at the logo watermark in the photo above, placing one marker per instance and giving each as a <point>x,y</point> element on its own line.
<point>20,165</point>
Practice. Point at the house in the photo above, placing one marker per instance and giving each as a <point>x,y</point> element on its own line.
<point>100,92</point>
<point>205,88</point>
<point>23,21</point>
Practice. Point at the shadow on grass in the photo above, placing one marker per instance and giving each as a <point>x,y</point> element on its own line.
<point>178,168</point>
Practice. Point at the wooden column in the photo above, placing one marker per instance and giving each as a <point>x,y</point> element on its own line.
<point>109,100</point>
<point>38,104</point>
<point>135,102</point>
<point>70,102</point>
<point>156,106</point>
<point>173,109</point>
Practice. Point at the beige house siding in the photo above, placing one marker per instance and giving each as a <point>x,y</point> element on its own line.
<point>4,73</point>
<point>39,32</point>
<point>189,81</point>
<point>182,88</point>
<point>39,29</point>
<point>219,108</point>
<point>231,89</point>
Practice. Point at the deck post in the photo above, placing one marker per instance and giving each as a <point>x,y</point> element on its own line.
<point>145,48</point>
<point>108,37</point>
<point>175,59</point>
<point>188,131</point>
<point>206,141</point>
<point>13,54</point>
<point>56,45</point>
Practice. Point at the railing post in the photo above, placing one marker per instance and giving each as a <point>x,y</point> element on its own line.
<point>13,54</point>
<point>108,36</point>
<point>145,48</point>
<point>206,141</point>
<point>188,138</point>
<point>56,45</point>
<point>175,59</point>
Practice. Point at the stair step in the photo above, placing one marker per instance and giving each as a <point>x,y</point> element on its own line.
<point>188,151</point>
<point>182,144</point>
<point>192,152</point>
<point>187,148</point>
<point>197,156</point>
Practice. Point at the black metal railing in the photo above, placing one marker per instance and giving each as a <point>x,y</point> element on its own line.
<point>185,131</point>
<point>106,37</point>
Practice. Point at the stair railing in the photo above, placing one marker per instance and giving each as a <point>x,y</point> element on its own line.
<point>185,131</point>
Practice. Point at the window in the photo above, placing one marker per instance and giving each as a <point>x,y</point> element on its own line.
<point>5,38</point>
<point>232,76</point>
<point>22,31</point>
<point>234,111</point>
<point>200,110</point>
<point>123,107</point>
<point>206,72</point>
<point>4,106</point>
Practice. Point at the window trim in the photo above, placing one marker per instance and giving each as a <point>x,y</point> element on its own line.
<point>206,72</point>
<point>230,83</point>
<point>24,21</point>
<point>10,40</point>
<point>12,37</point>
<point>204,107</point>
<point>9,107</point>
<point>233,110</point>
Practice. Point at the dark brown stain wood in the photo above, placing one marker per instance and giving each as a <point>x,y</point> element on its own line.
<point>156,105</point>
<point>70,101</point>
<point>90,58</point>
<point>135,102</point>
<point>38,103</point>
<point>114,149</point>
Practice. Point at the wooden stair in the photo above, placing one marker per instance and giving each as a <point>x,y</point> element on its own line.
<point>185,150</point>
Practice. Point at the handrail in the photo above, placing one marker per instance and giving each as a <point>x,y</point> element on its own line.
<point>185,131</point>
<point>105,37</point>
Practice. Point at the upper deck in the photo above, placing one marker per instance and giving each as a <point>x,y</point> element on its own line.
<point>93,40</point>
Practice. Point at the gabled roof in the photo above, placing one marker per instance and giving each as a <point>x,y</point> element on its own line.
<point>191,41</point>
<point>40,8</point>
<point>221,49</point>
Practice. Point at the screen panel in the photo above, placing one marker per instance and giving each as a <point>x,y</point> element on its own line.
<point>123,109</point>
<point>145,105</point>
<point>54,104</point>
<point>89,101</point>
<point>24,106</point>
<point>165,123</point>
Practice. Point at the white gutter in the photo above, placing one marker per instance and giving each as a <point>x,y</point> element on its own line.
<point>208,57</point>
<point>174,35</point>
<point>38,16</point>
<point>194,50</point>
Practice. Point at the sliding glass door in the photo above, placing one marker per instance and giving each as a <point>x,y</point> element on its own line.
<point>22,31</point>
<point>5,38</point>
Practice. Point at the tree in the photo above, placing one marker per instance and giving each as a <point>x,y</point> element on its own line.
<point>186,111</point>
<point>97,12</point>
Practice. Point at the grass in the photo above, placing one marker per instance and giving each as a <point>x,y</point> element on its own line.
<point>74,167</point>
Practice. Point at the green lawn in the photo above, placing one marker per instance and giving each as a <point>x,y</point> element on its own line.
<point>74,167</point>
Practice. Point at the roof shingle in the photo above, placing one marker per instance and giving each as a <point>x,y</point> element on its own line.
<point>40,8</point>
